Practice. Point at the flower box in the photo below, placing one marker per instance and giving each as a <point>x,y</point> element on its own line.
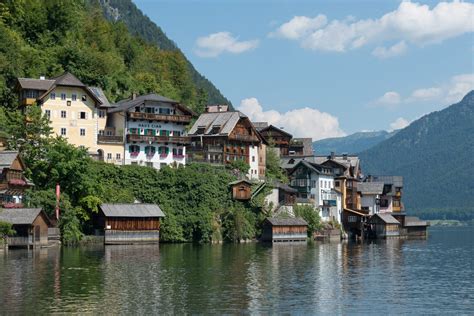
<point>134,154</point>
<point>178,156</point>
<point>17,182</point>
<point>12,205</point>
<point>163,155</point>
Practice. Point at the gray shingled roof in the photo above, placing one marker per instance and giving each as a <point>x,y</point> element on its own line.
<point>99,93</point>
<point>68,79</point>
<point>287,221</point>
<point>7,158</point>
<point>132,210</point>
<point>397,181</point>
<point>126,104</point>
<point>239,181</point>
<point>19,216</point>
<point>279,130</point>
<point>225,120</point>
<point>35,84</point>
<point>260,125</point>
<point>387,218</point>
<point>370,187</point>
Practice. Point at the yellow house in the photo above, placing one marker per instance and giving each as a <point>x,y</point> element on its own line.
<point>76,112</point>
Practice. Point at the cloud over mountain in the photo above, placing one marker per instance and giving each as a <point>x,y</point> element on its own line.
<point>215,44</point>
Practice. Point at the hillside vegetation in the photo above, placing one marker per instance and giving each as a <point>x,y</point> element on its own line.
<point>49,37</point>
<point>435,155</point>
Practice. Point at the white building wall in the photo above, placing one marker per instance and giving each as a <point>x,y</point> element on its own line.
<point>369,200</point>
<point>253,162</point>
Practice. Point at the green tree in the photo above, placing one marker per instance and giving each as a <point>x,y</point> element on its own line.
<point>273,169</point>
<point>6,230</point>
<point>310,215</point>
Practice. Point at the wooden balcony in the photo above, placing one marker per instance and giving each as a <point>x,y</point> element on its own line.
<point>28,101</point>
<point>107,139</point>
<point>160,117</point>
<point>244,138</point>
<point>158,139</point>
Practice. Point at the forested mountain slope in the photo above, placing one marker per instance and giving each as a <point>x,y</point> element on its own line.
<point>139,24</point>
<point>435,155</point>
<point>351,144</point>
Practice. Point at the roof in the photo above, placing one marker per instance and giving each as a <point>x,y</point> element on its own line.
<point>387,218</point>
<point>296,221</point>
<point>269,127</point>
<point>411,221</point>
<point>68,79</point>
<point>397,181</point>
<point>35,84</point>
<point>370,187</point>
<point>226,121</point>
<point>260,125</point>
<point>240,181</point>
<point>132,210</point>
<point>19,216</point>
<point>7,158</point>
<point>285,187</point>
<point>312,166</point>
<point>126,104</point>
<point>99,93</point>
<point>307,144</point>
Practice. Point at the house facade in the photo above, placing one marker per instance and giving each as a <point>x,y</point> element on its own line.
<point>13,182</point>
<point>226,136</point>
<point>276,137</point>
<point>30,224</point>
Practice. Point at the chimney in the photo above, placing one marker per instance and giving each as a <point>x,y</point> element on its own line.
<point>42,78</point>
<point>344,156</point>
<point>333,155</point>
<point>134,96</point>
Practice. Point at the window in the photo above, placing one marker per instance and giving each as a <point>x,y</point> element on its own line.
<point>84,97</point>
<point>321,183</point>
<point>63,96</point>
<point>63,114</point>
<point>312,196</point>
<point>149,164</point>
<point>177,133</point>
<point>47,113</point>
<point>68,103</point>
<point>101,113</point>
<point>101,132</point>
<point>337,184</point>
<point>253,158</point>
<point>63,131</point>
<point>313,183</point>
<point>83,115</point>
<point>53,96</point>
<point>83,132</point>
<point>118,156</point>
<point>352,219</point>
<point>109,155</point>
<point>134,162</point>
<point>164,111</point>
<point>74,97</point>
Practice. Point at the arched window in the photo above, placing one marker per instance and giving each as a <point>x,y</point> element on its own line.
<point>134,150</point>
<point>150,151</point>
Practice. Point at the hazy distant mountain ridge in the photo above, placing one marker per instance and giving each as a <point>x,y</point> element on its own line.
<point>140,25</point>
<point>351,144</point>
<point>435,155</point>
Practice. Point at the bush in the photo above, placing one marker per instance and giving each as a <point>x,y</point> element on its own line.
<point>311,216</point>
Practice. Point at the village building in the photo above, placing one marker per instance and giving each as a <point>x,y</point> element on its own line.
<point>383,225</point>
<point>390,199</point>
<point>154,129</point>
<point>241,190</point>
<point>414,227</point>
<point>276,137</point>
<point>223,137</point>
<point>281,199</point>
<point>284,230</point>
<point>301,147</point>
<point>129,223</point>
<point>316,183</point>
<point>75,111</point>
<point>30,224</point>
<point>370,193</point>
<point>13,182</point>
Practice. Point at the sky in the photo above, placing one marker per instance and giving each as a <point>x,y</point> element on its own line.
<point>327,68</point>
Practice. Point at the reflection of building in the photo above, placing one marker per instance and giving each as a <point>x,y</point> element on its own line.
<point>30,224</point>
<point>129,223</point>
<point>13,182</point>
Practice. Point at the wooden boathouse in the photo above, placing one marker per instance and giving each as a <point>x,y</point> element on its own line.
<point>241,190</point>
<point>130,223</point>
<point>30,224</point>
<point>284,230</point>
<point>383,225</point>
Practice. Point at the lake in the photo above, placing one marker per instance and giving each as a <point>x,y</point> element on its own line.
<point>430,276</point>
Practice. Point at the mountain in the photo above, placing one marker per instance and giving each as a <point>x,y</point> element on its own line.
<point>435,155</point>
<point>351,144</point>
<point>139,24</point>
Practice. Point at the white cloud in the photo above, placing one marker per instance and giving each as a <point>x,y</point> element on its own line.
<point>389,99</point>
<point>396,50</point>
<point>217,43</point>
<point>459,86</point>
<point>299,26</point>
<point>302,122</point>
<point>425,94</point>
<point>410,22</point>
<point>399,123</point>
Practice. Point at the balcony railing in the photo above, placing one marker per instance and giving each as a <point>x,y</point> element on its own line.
<point>109,139</point>
<point>160,117</point>
<point>158,139</point>
<point>177,156</point>
<point>19,182</point>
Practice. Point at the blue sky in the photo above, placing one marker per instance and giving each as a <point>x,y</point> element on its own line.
<point>327,68</point>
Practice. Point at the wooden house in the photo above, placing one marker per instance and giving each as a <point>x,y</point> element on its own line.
<point>130,223</point>
<point>224,137</point>
<point>241,190</point>
<point>30,224</point>
<point>277,137</point>
<point>13,182</point>
<point>284,230</point>
<point>383,225</point>
<point>414,227</point>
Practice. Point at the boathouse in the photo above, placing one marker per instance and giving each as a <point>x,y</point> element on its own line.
<point>241,190</point>
<point>415,227</point>
<point>130,223</point>
<point>284,230</point>
<point>30,224</point>
<point>384,225</point>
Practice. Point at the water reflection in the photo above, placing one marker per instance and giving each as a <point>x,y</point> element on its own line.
<point>393,276</point>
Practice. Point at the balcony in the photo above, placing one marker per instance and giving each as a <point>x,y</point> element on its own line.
<point>160,117</point>
<point>18,182</point>
<point>177,156</point>
<point>158,139</point>
<point>244,138</point>
<point>108,139</point>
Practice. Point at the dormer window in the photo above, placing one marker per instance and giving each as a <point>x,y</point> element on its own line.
<point>201,130</point>
<point>84,98</point>
<point>215,129</point>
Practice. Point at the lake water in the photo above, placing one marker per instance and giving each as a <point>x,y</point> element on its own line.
<point>432,276</point>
